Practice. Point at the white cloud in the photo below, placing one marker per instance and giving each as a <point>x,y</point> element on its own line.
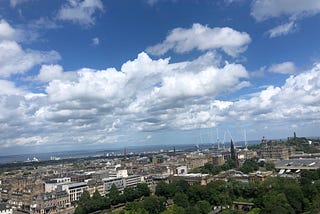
<point>283,68</point>
<point>265,9</point>
<point>8,88</point>
<point>80,12</point>
<point>49,73</point>
<point>6,31</point>
<point>282,30</point>
<point>297,100</point>
<point>95,41</point>
<point>14,3</point>
<point>13,59</point>
<point>149,95</point>
<point>203,38</point>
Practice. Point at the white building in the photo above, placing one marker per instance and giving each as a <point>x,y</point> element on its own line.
<point>121,182</point>
<point>5,209</point>
<point>74,190</point>
<point>53,183</point>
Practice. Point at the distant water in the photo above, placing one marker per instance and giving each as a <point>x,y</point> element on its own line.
<point>45,156</point>
<point>93,153</point>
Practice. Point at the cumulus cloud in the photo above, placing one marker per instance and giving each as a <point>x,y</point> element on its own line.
<point>7,32</point>
<point>99,106</point>
<point>8,88</point>
<point>80,12</point>
<point>297,100</point>
<point>265,9</point>
<point>283,68</point>
<point>282,30</point>
<point>51,72</point>
<point>13,59</point>
<point>203,38</point>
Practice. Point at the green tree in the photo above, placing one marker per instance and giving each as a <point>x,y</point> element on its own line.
<point>143,189</point>
<point>162,189</point>
<point>154,204</point>
<point>174,209</point>
<point>204,207</point>
<point>276,203</point>
<point>250,165</point>
<point>181,199</point>
<point>84,203</point>
<point>80,210</point>
<point>130,194</point>
<point>233,152</point>
<point>193,210</point>
<point>114,195</point>
<point>97,201</point>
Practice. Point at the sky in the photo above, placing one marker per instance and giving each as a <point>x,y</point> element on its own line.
<point>100,74</point>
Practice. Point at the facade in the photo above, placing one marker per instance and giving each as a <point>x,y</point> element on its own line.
<point>196,161</point>
<point>50,202</point>
<point>5,209</point>
<point>218,160</point>
<point>193,178</point>
<point>132,181</point>
<point>276,152</point>
<point>94,185</point>
<point>108,182</point>
<point>74,190</point>
<point>52,184</point>
<point>121,183</point>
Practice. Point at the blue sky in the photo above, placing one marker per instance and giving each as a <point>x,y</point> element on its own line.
<point>92,74</point>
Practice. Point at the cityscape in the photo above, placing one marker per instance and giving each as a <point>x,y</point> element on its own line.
<point>57,185</point>
<point>159,106</point>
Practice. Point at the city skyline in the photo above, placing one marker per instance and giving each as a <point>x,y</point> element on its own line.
<point>77,74</point>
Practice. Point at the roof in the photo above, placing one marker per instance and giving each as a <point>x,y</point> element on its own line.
<point>75,185</point>
<point>308,163</point>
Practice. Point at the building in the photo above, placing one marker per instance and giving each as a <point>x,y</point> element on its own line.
<point>181,170</point>
<point>121,183</point>
<point>50,202</point>
<point>74,190</point>
<point>276,152</point>
<point>52,184</point>
<point>5,208</point>
<point>193,178</point>
<point>94,185</point>
<point>297,165</point>
<point>218,160</point>
<point>108,182</point>
<point>196,161</point>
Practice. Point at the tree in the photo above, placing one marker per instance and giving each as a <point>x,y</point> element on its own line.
<point>130,194</point>
<point>181,185</point>
<point>143,189</point>
<point>154,204</point>
<point>276,203</point>
<point>84,204</point>
<point>204,207</point>
<point>97,201</point>
<point>174,209</point>
<point>193,210</point>
<point>181,199</point>
<point>162,189</point>
<point>114,194</point>
<point>250,165</point>
<point>233,152</point>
